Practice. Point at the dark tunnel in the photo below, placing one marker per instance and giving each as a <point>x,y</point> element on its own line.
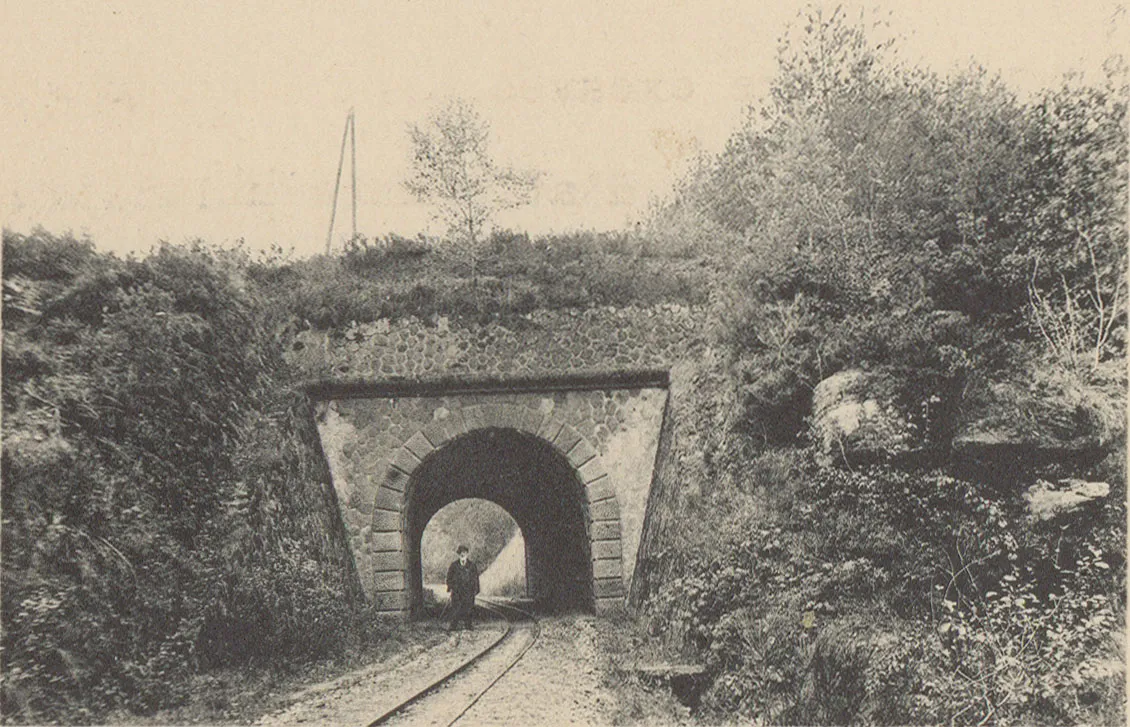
<point>537,486</point>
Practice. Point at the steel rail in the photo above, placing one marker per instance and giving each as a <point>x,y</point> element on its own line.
<point>515,660</point>
<point>492,606</point>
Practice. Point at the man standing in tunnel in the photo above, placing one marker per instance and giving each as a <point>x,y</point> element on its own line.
<point>463,585</point>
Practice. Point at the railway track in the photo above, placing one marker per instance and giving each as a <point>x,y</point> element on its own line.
<point>445,701</point>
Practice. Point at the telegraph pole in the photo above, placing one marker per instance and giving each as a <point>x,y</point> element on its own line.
<point>353,166</point>
<point>346,134</point>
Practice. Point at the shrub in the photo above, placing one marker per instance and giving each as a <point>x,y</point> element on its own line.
<point>43,256</point>
<point>154,469</point>
<point>383,257</point>
<point>893,597</point>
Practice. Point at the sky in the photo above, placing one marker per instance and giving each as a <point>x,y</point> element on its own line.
<point>134,122</point>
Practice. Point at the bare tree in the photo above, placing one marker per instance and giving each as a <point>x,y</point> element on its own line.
<point>452,171</point>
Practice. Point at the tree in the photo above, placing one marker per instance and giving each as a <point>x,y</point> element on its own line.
<point>1075,225</point>
<point>452,170</point>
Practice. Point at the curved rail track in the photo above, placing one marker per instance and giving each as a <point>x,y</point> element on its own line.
<point>446,700</point>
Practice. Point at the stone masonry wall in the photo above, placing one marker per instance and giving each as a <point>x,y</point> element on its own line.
<point>363,437</point>
<point>544,342</point>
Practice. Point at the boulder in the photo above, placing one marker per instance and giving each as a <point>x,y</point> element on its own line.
<point>1018,421</point>
<point>858,416</point>
<point>687,681</point>
<point>1047,500</point>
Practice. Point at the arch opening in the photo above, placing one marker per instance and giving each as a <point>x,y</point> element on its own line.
<point>494,538</point>
<point>535,485</point>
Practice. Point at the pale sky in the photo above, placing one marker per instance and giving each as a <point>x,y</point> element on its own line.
<point>139,121</point>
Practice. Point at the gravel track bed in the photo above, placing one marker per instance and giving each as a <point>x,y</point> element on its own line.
<point>361,696</point>
<point>557,682</point>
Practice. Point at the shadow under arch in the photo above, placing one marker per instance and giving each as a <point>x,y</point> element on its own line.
<point>536,484</point>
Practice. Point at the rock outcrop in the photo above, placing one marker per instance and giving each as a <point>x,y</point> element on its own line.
<point>882,415</point>
<point>858,416</point>
<point>1025,422</point>
<point>1046,500</point>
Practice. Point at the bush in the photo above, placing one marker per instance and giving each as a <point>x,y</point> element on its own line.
<point>396,277</point>
<point>383,257</point>
<point>46,257</point>
<point>154,470</point>
<point>895,597</point>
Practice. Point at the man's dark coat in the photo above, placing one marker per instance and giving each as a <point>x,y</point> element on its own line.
<point>463,580</point>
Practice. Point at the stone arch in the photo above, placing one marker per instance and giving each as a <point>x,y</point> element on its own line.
<point>388,540</point>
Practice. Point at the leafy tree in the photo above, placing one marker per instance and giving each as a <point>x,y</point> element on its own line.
<point>1076,221</point>
<point>452,170</point>
<point>862,190</point>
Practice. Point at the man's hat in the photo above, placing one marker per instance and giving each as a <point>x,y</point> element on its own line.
<point>462,549</point>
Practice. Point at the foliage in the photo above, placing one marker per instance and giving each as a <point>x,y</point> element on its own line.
<point>481,525</point>
<point>394,278</point>
<point>942,231</point>
<point>453,171</point>
<point>861,191</point>
<point>892,597</point>
<point>164,505</point>
<point>1078,223</point>
<point>365,258</point>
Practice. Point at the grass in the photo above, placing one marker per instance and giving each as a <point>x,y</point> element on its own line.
<point>394,278</point>
<point>243,695</point>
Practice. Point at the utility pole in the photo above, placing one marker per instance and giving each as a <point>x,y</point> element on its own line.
<point>346,134</point>
<point>353,166</point>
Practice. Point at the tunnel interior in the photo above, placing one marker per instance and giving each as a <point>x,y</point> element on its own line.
<point>531,481</point>
<point>496,543</point>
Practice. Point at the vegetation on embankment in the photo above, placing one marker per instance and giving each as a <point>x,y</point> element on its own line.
<point>942,234</point>
<point>166,508</point>
<point>887,596</point>
<point>513,274</point>
<point>244,694</point>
